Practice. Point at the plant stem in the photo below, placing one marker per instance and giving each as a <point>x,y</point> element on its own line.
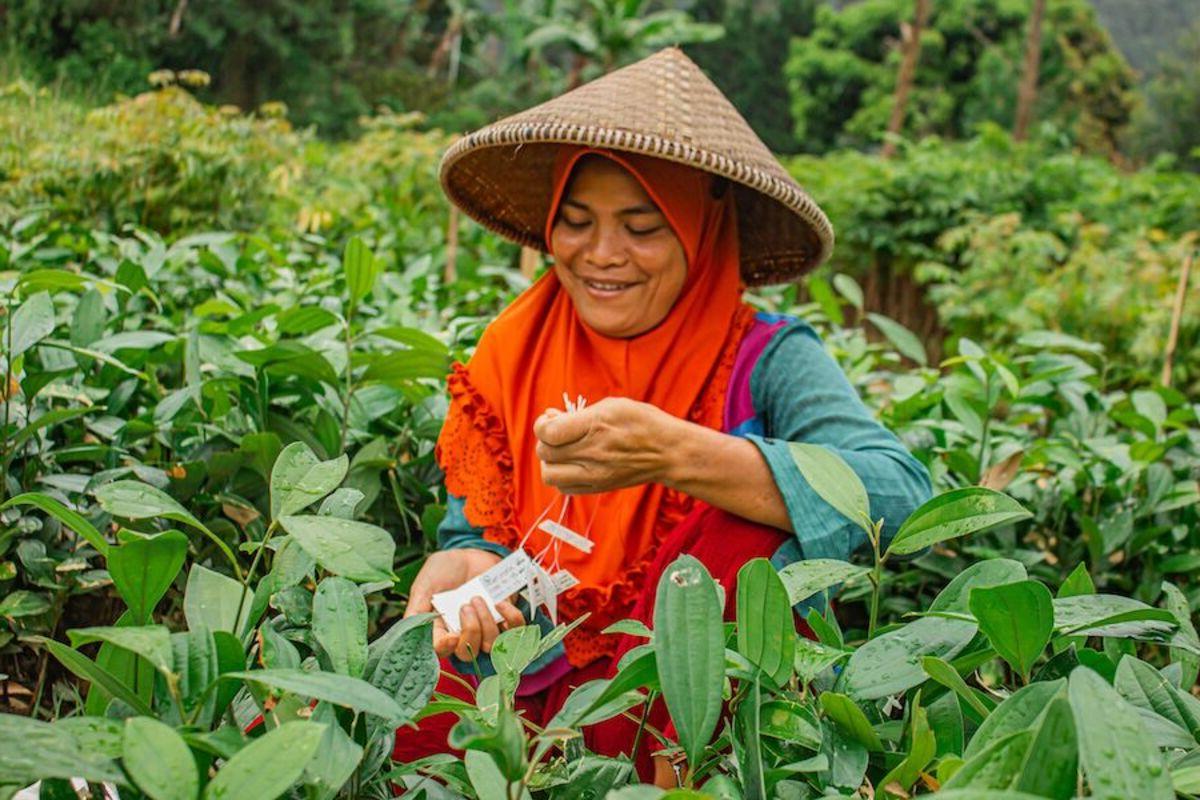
<point>637,737</point>
<point>987,420</point>
<point>249,575</point>
<point>349,378</point>
<point>875,533</point>
<point>8,366</point>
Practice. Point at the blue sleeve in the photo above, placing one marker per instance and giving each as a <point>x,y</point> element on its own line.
<point>455,532</point>
<point>802,395</point>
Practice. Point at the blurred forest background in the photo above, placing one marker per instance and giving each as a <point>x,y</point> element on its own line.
<point>992,166</point>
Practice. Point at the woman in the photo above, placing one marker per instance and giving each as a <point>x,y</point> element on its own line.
<point>658,205</point>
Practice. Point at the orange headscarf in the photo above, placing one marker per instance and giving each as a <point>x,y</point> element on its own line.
<point>538,348</point>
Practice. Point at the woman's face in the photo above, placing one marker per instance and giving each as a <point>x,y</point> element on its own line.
<point>614,251</point>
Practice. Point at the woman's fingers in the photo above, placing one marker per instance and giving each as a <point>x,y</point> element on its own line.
<point>469,638</point>
<point>487,626</point>
<point>562,428</point>
<point>513,618</point>
<point>444,641</point>
<point>420,600</point>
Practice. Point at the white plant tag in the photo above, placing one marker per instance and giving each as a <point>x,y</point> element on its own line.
<point>563,580</point>
<point>565,534</point>
<point>499,583</point>
<point>544,592</point>
<point>449,604</point>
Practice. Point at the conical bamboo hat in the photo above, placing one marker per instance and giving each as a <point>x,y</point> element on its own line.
<point>661,106</point>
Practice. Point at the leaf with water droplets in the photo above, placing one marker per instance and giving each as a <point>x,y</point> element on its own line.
<point>953,514</point>
<point>1118,755</point>
<point>299,479</point>
<point>345,547</point>
<point>265,768</point>
<point>891,663</point>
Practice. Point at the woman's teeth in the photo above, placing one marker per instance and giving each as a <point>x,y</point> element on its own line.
<point>607,287</point>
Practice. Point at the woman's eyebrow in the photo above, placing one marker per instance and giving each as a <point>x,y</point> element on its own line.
<point>641,208</point>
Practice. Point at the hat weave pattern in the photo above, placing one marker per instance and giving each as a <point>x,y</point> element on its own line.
<point>662,106</point>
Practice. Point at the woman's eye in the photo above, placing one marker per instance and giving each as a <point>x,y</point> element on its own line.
<point>573,224</point>
<point>643,231</point>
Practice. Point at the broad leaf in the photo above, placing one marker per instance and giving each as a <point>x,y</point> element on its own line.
<point>31,322</point>
<point>88,670</point>
<point>765,626</point>
<point>922,747</point>
<point>143,568</point>
<point>992,572</point>
<point>833,480</point>
<point>266,767</point>
<point>955,513</point>
<point>345,547</point>
<point>212,600</point>
<point>151,642</point>
<point>851,719</point>
<point>891,663</point>
<point>72,519</point>
<point>34,751</point>
<point>1145,687</point>
<point>361,268</point>
<point>1112,615</point>
<point>945,674</point>
<point>339,623</point>
<point>803,579</point>
<point>1118,756</point>
<point>689,649</point>
<point>408,669</point>
<point>1017,618</point>
<point>1016,713</point>
<point>299,479</point>
<point>158,760</point>
<point>341,690</point>
<point>904,340</point>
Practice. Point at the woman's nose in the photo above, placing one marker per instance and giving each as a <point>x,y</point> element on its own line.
<point>606,248</point>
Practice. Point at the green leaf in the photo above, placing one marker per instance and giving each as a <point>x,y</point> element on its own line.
<point>992,572</point>
<point>904,340</point>
<point>848,288</point>
<point>851,719</point>
<point>1017,618</point>
<point>87,669</point>
<point>1077,583</point>
<point>339,623</point>
<point>1111,615</point>
<point>289,359</point>
<point>1188,660</point>
<point>158,760</point>
<point>996,767</point>
<point>891,663</point>
<point>689,650</point>
<point>211,601</point>
<point>955,513</point>
<point>135,500</point>
<point>345,547</point>
<point>31,322</point>
<point>513,651</point>
<point>23,603</point>
<point>942,672</point>
<point>834,481</point>
<point>265,768</point>
<point>1017,713</point>
<point>151,642</point>
<point>34,751</point>
<point>1119,758</point>
<point>337,757</point>
<point>922,747</point>
<point>143,568</point>
<point>408,670</point>
<point>765,625</point>
<point>361,268</point>
<point>341,690</point>
<point>299,479</point>
<point>1144,686</point>
<point>66,516</point>
<point>803,579</point>
<point>813,658</point>
<point>630,627</point>
<point>1051,767</point>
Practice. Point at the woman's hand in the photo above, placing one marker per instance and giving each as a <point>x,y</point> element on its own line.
<point>449,569</point>
<point>613,444</point>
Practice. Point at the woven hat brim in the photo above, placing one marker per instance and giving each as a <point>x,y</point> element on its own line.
<point>501,176</point>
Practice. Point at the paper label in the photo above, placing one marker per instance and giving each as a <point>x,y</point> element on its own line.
<point>499,583</point>
<point>565,534</point>
<point>564,580</point>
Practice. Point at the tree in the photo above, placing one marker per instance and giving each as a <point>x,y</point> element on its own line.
<point>1027,93</point>
<point>910,37</point>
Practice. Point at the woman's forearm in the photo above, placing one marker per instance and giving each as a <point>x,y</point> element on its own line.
<point>725,471</point>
